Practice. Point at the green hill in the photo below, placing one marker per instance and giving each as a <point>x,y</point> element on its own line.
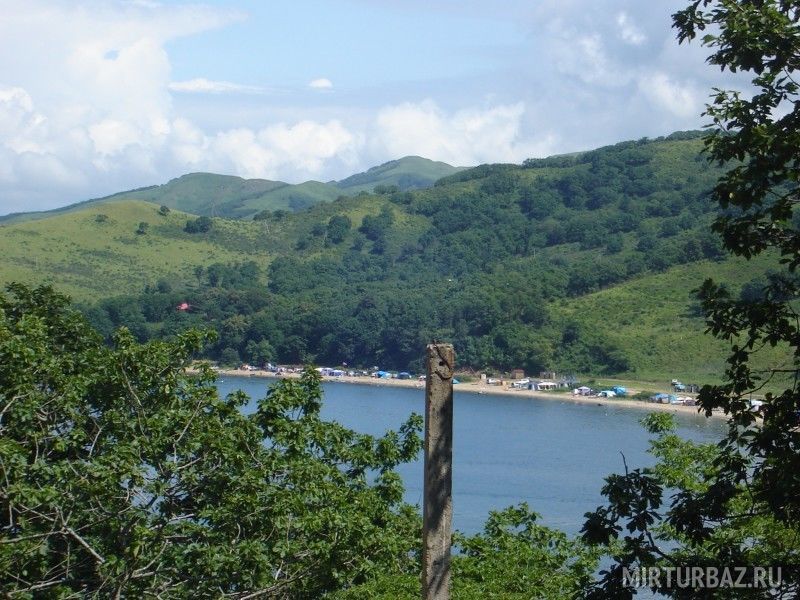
<point>655,319</point>
<point>409,173</point>
<point>236,198</point>
<point>579,263</point>
<point>96,253</point>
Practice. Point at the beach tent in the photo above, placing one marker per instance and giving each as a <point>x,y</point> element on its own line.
<point>662,398</point>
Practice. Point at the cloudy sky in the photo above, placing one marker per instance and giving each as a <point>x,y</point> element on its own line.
<point>102,96</point>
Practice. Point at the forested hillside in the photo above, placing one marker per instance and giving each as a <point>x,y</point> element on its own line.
<point>513,263</point>
<point>493,258</point>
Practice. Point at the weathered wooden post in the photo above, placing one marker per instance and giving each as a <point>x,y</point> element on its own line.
<point>437,511</point>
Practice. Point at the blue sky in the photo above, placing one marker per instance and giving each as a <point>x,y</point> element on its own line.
<point>101,96</point>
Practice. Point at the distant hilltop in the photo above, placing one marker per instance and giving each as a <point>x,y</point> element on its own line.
<point>212,195</point>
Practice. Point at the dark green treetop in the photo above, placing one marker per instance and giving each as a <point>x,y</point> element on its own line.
<point>741,507</point>
<point>122,475</point>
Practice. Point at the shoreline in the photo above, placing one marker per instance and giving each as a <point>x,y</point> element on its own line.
<point>481,389</point>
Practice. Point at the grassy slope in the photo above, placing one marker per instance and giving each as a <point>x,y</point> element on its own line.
<point>290,197</point>
<point>90,260</point>
<point>653,318</point>
<point>232,197</point>
<point>410,172</point>
<point>204,193</point>
<point>195,193</point>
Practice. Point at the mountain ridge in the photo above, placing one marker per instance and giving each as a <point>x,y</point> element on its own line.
<point>231,196</point>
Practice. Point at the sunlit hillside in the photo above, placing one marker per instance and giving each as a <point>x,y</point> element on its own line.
<point>96,253</point>
<point>584,264</point>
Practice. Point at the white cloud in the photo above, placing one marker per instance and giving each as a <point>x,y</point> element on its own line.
<point>240,149</point>
<point>465,137</point>
<point>21,127</point>
<point>294,152</point>
<point>628,30</point>
<point>189,145</point>
<point>90,109</point>
<point>101,107</point>
<point>321,84</point>
<point>581,54</point>
<point>205,86</point>
<point>111,136</point>
<point>17,98</point>
<point>52,169</point>
<point>680,99</point>
<point>27,150</point>
<point>307,144</point>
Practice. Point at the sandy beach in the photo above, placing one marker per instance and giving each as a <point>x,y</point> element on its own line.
<point>483,389</point>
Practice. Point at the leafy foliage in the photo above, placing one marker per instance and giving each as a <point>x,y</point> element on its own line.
<point>338,228</point>
<point>122,475</point>
<point>738,503</point>
<point>490,259</point>
<point>514,558</point>
<point>198,225</point>
<point>712,521</point>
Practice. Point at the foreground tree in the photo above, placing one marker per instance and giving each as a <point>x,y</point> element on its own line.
<point>121,475</point>
<point>742,508</point>
<point>658,544</point>
<point>514,558</point>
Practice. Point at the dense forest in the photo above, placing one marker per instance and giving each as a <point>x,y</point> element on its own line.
<point>475,259</point>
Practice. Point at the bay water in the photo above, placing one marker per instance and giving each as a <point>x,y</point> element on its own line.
<point>552,454</point>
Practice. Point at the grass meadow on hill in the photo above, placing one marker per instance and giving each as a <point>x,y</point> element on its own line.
<point>91,257</point>
<point>656,319</point>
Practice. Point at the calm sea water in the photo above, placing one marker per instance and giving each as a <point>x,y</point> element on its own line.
<point>551,454</point>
